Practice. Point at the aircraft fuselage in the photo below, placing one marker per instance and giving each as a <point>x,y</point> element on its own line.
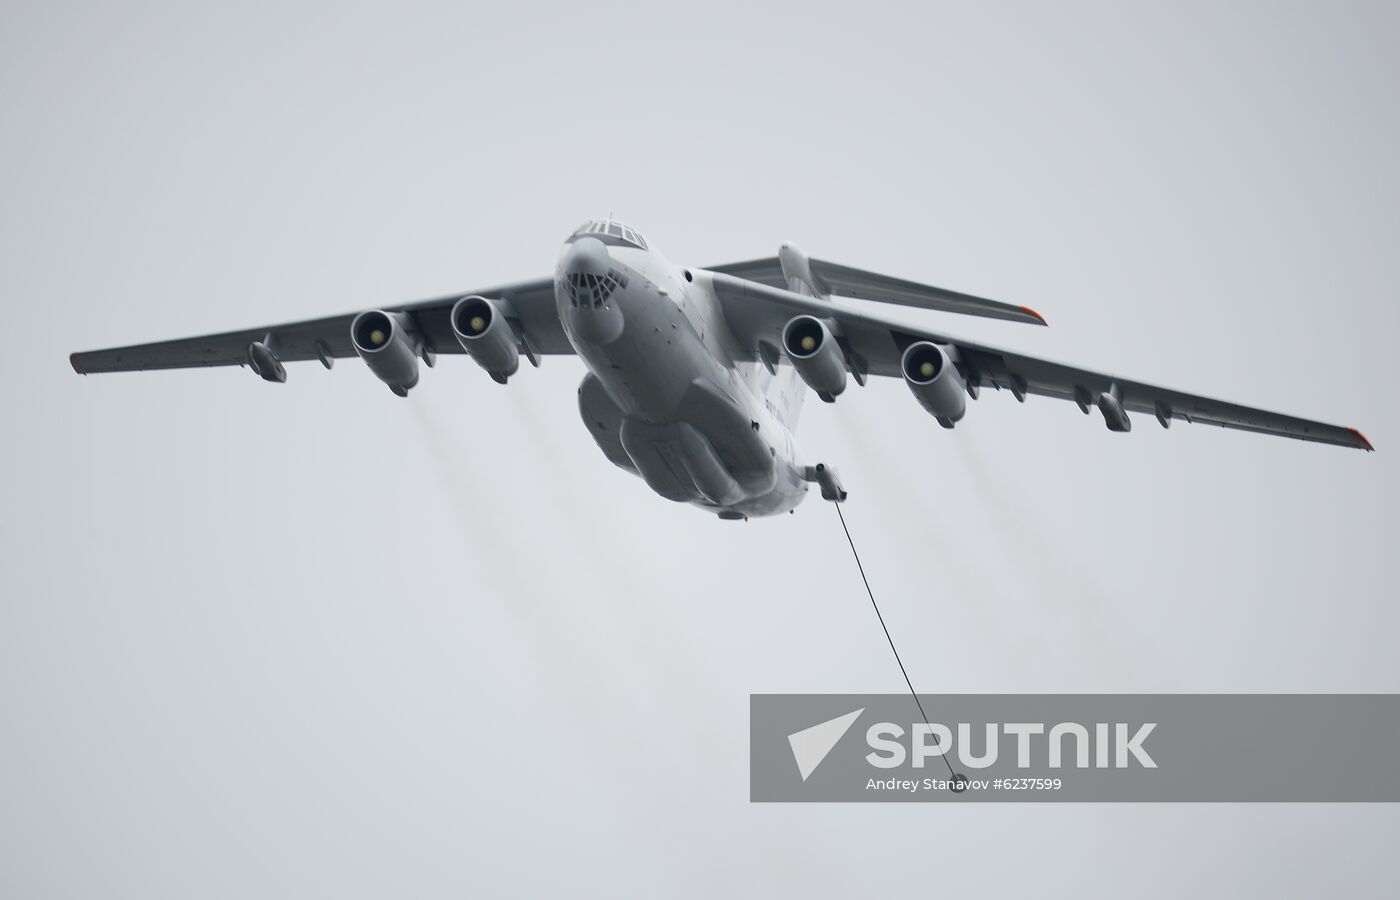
<point>668,395</point>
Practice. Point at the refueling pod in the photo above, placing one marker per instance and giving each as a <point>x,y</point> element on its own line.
<point>935,381</point>
<point>389,345</point>
<point>264,362</point>
<point>816,356</point>
<point>485,333</point>
<point>1110,403</point>
<point>827,479</point>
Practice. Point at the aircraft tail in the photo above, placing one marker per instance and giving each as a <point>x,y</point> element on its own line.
<point>794,270</point>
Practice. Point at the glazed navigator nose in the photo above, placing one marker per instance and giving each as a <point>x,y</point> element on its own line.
<point>590,286</point>
<point>586,272</point>
<point>587,256</point>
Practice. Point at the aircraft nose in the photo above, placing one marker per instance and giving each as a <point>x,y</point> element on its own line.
<point>587,282</point>
<point>587,256</point>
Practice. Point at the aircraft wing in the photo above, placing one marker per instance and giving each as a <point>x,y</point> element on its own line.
<point>532,301</point>
<point>757,313</point>
<point>835,279</point>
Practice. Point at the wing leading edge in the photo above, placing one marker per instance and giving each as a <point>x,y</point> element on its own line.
<point>329,337</point>
<point>757,313</point>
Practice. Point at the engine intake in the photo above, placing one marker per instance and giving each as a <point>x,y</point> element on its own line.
<point>935,381</point>
<point>389,345</point>
<point>816,356</point>
<point>482,329</point>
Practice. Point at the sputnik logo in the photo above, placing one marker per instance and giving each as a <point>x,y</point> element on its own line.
<point>811,745</point>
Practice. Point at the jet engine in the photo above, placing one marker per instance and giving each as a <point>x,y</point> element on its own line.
<point>389,345</point>
<point>481,328</point>
<point>935,381</point>
<point>816,356</point>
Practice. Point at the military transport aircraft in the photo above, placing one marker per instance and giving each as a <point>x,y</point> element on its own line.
<point>696,376</point>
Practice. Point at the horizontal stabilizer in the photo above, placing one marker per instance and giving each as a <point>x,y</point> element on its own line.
<point>845,281</point>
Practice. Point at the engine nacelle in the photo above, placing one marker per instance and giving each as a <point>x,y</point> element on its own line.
<point>815,355</point>
<point>389,345</point>
<point>934,381</point>
<point>487,337</point>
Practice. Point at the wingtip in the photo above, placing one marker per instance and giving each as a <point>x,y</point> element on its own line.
<point>77,366</point>
<point>1365,444</point>
<point>1034,315</point>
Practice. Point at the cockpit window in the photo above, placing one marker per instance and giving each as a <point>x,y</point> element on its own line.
<point>612,232</point>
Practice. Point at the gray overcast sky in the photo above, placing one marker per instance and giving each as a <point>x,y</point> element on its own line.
<point>313,640</point>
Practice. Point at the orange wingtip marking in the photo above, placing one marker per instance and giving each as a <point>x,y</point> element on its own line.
<point>1365,444</point>
<point>1035,315</point>
<point>73,361</point>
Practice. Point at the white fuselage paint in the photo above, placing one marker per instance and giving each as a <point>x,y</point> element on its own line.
<point>648,344</point>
